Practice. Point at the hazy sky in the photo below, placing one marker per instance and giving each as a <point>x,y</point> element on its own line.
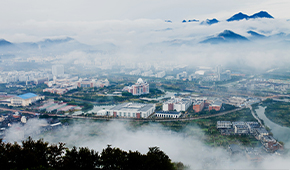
<point>93,10</point>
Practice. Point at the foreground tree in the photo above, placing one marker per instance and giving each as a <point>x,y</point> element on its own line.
<point>42,155</point>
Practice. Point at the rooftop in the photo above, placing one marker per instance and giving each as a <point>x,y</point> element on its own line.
<point>133,106</point>
<point>27,95</point>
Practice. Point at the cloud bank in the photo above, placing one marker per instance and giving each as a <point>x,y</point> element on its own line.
<point>187,149</point>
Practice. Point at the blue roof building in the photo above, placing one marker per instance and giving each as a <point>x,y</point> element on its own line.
<point>27,96</point>
<point>25,99</point>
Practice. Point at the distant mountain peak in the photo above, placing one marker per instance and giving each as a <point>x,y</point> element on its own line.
<point>59,40</point>
<point>209,21</point>
<point>255,34</point>
<point>193,20</point>
<point>261,14</point>
<point>3,42</point>
<point>241,16</point>
<point>238,16</point>
<point>225,36</point>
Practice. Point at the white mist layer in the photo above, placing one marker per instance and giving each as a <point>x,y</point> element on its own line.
<point>189,150</point>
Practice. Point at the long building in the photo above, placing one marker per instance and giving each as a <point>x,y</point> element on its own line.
<point>25,99</point>
<point>168,114</point>
<point>132,110</point>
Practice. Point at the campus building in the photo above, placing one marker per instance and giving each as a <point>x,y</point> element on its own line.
<point>139,88</point>
<point>198,106</point>
<point>178,104</point>
<point>131,110</point>
<point>25,99</point>
<point>215,106</point>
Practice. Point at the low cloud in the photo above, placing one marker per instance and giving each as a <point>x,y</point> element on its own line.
<point>188,149</point>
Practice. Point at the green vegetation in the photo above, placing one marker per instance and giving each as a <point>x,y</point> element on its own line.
<point>278,112</point>
<point>42,155</point>
<point>207,131</point>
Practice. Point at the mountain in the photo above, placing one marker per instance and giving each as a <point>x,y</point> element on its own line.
<point>209,22</point>
<point>193,20</point>
<point>238,16</point>
<point>226,36</point>
<point>47,42</point>
<point>261,14</point>
<point>7,47</point>
<point>241,16</point>
<point>256,35</point>
<point>5,43</point>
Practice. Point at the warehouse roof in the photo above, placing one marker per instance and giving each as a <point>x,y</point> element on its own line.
<point>133,106</point>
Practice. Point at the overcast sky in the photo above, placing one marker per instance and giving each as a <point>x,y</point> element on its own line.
<point>93,10</point>
<point>90,21</point>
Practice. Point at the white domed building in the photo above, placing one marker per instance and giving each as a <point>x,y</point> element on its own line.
<point>139,88</point>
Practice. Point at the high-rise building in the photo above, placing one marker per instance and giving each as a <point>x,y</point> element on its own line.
<point>57,70</point>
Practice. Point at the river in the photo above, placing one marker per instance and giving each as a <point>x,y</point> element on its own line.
<point>280,133</point>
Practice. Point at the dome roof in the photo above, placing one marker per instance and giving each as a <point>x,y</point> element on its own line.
<point>140,81</point>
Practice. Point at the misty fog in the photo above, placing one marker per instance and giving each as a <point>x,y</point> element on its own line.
<point>188,149</point>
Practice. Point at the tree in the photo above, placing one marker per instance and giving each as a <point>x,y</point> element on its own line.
<point>42,155</point>
<point>157,159</point>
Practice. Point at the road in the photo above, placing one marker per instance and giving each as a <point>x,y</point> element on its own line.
<point>254,115</point>
<point>152,119</point>
<point>13,110</point>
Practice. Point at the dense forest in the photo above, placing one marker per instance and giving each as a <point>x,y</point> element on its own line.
<point>32,155</point>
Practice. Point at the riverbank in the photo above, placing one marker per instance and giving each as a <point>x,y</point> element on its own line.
<point>278,112</point>
<point>279,132</point>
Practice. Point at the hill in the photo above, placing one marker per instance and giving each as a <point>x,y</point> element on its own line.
<point>225,36</point>
<point>241,16</point>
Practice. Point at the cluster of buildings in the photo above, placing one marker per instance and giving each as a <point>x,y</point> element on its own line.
<point>8,119</point>
<point>148,73</point>
<point>139,88</point>
<point>206,74</point>
<point>29,77</point>
<point>61,86</point>
<point>270,144</point>
<point>269,85</point>
<point>177,104</point>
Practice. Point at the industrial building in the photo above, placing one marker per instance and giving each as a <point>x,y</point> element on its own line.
<point>25,99</point>
<point>131,110</point>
